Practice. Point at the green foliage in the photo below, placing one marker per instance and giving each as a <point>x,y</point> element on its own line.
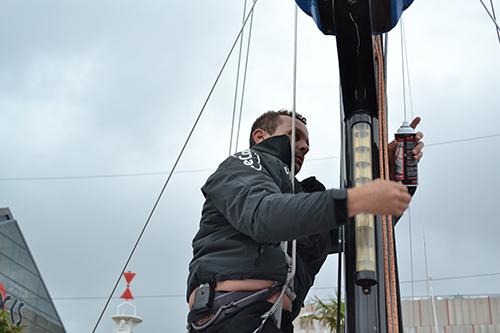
<point>326,313</point>
<point>5,324</point>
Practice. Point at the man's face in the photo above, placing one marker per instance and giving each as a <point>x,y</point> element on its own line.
<point>301,138</point>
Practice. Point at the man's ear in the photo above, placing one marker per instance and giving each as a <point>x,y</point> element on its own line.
<point>259,135</point>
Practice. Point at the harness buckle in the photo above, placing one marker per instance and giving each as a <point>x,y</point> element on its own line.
<point>203,298</point>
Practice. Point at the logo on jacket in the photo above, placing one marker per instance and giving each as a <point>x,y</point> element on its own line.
<point>250,159</point>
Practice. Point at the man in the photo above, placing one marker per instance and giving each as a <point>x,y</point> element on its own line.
<point>238,268</point>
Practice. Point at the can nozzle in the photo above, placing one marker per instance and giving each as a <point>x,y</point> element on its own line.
<point>406,129</point>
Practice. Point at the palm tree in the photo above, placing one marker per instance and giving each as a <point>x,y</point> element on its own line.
<point>325,311</point>
<point>5,324</point>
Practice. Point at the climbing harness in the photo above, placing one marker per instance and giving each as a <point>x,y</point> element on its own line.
<point>224,305</point>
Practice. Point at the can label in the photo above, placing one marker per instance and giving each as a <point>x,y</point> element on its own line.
<point>405,164</point>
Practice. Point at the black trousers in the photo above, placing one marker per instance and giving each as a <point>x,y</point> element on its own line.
<point>248,319</point>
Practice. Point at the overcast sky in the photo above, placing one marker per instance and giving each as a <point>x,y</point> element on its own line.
<point>113,87</point>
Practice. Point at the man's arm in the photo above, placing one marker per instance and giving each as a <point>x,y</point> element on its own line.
<point>253,203</point>
<point>248,197</point>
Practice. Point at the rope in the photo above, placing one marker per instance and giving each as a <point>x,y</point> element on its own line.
<point>339,277</point>
<point>244,82</point>
<point>276,309</point>
<point>171,172</point>
<point>237,81</point>
<point>378,56</point>
<point>381,106</point>
<point>387,227</point>
<point>294,130</point>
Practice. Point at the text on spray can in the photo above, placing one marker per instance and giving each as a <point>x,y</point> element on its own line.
<point>406,169</point>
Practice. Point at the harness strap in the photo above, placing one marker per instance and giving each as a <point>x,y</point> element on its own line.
<point>227,305</point>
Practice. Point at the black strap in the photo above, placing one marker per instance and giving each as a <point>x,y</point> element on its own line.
<point>227,305</point>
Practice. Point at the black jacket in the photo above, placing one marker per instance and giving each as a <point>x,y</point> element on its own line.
<point>250,208</point>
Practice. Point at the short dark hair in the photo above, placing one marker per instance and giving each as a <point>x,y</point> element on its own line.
<point>270,120</point>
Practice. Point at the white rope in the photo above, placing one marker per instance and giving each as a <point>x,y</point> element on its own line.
<point>294,130</point>
<point>237,81</point>
<point>276,309</point>
<point>244,82</point>
<point>284,245</point>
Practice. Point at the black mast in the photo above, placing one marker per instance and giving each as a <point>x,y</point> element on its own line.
<point>366,295</point>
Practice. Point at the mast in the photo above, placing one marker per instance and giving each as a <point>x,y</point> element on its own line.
<point>372,292</point>
<point>372,282</point>
<point>372,286</point>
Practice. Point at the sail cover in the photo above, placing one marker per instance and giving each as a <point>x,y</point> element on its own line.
<point>385,14</point>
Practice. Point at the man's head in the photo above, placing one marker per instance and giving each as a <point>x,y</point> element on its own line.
<point>274,123</point>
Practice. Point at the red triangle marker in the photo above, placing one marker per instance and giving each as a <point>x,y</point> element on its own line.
<point>127,295</point>
<point>129,276</point>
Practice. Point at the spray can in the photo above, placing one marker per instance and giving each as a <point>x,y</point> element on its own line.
<point>405,164</point>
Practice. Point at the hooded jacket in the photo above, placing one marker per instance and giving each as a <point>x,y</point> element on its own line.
<point>250,208</point>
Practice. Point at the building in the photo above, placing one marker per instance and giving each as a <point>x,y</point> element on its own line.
<point>22,290</point>
<point>453,314</point>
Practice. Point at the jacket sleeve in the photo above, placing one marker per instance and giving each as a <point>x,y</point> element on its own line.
<point>250,199</point>
<point>324,243</point>
<point>315,248</point>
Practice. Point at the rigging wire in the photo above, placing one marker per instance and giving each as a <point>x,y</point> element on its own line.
<point>429,286</point>
<point>237,80</point>
<point>492,17</point>
<point>474,138</point>
<point>250,28</point>
<point>403,67</point>
<point>294,132</point>
<point>142,174</point>
<point>445,278</point>
<point>341,242</point>
<point>495,17</point>
<point>173,168</point>
<point>428,278</point>
<point>276,308</point>
<point>294,102</point>
<point>160,295</point>
<point>407,68</point>
<point>412,279</point>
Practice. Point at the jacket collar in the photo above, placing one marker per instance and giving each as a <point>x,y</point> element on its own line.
<point>278,146</point>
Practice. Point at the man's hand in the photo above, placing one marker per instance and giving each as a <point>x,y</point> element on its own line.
<point>417,151</point>
<point>379,197</point>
